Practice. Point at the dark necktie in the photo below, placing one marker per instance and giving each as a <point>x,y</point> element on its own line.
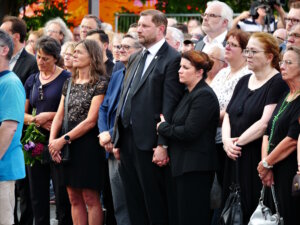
<point>133,86</point>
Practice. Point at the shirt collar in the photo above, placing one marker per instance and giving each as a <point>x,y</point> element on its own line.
<point>218,39</point>
<point>16,56</point>
<point>155,48</point>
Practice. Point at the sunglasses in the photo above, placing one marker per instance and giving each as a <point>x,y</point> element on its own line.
<point>41,93</point>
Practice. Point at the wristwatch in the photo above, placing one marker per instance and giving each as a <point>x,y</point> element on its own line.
<point>67,139</point>
<point>265,164</point>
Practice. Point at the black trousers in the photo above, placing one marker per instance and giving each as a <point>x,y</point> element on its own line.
<point>149,191</point>
<point>22,190</point>
<point>193,196</point>
<point>39,182</point>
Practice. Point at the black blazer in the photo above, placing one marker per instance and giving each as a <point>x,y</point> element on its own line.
<point>25,66</point>
<point>192,131</point>
<point>159,91</point>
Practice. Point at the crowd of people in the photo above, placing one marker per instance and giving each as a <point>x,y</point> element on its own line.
<point>154,119</point>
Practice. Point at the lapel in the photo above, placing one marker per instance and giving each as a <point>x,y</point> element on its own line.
<point>128,78</point>
<point>19,62</point>
<point>153,63</point>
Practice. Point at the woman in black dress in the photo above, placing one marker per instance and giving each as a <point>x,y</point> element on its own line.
<point>83,174</point>
<point>247,115</point>
<point>43,92</point>
<point>279,155</point>
<point>191,134</point>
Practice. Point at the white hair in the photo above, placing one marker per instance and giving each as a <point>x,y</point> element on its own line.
<point>63,28</point>
<point>177,35</point>
<point>226,11</point>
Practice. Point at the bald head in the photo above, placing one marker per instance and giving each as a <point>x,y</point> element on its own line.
<point>280,34</point>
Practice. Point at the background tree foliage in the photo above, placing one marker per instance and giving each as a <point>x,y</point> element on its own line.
<point>52,9</point>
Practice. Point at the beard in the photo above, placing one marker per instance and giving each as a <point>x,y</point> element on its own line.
<point>147,41</point>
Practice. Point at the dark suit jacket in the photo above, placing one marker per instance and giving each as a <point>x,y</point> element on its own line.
<point>192,131</point>
<point>159,91</point>
<point>25,66</point>
<point>108,108</point>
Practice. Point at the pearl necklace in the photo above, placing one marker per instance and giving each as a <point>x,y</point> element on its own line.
<point>50,75</point>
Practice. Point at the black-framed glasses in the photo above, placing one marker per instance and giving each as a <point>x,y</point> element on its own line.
<point>294,21</point>
<point>286,62</point>
<point>210,15</point>
<point>125,47</point>
<point>41,93</point>
<point>294,35</point>
<point>250,53</point>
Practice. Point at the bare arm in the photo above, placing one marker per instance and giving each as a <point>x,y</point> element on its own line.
<point>82,128</point>
<point>243,15</point>
<point>257,129</point>
<point>230,147</point>
<point>43,119</point>
<point>58,119</point>
<point>7,131</point>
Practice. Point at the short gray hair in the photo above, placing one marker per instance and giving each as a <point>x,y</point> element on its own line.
<point>177,35</point>
<point>226,12</point>
<point>63,29</point>
<point>134,37</point>
<point>5,40</point>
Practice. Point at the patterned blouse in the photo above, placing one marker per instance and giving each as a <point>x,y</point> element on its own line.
<point>224,86</point>
<point>81,96</point>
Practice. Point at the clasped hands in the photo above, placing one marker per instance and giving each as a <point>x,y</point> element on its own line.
<point>105,141</point>
<point>55,147</point>
<point>266,175</point>
<point>160,154</point>
<point>230,147</point>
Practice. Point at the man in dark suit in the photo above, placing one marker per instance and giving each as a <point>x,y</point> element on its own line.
<point>151,88</point>
<point>217,20</point>
<point>23,64</point>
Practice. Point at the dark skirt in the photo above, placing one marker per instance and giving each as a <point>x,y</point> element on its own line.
<point>86,167</point>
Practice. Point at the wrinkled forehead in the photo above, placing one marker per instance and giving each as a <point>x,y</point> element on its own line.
<point>214,8</point>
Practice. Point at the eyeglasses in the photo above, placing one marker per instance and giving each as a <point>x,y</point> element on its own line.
<point>85,27</point>
<point>294,35</point>
<point>117,47</point>
<point>125,47</point>
<point>279,38</point>
<point>210,15</point>
<point>232,45</point>
<point>286,62</point>
<point>250,53</point>
<point>292,20</point>
<point>41,93</point>
<point>215,58</point>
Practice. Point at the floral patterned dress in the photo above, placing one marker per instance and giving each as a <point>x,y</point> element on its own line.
<point>85,170</point>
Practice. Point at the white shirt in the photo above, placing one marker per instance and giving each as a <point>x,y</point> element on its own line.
<point>152,53</point>
<point>217,40</point>
<point>14,59</point>
<point>224,86</point>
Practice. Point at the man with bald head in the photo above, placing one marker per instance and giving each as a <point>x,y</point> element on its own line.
<point>280,35</point>
<point>217,20</point>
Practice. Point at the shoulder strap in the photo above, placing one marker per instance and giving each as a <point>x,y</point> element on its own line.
<point>66,106</point>
<point>33,87</point>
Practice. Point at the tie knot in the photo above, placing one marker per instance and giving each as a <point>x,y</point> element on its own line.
<point>145,52</point>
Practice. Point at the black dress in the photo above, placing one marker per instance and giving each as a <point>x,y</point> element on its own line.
<point>85,170</point>
<point>245,108</point>
<point>284,171</point>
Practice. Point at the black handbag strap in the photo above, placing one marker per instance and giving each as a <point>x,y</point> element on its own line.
<point>66,106</point>
<point>237,172</point>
